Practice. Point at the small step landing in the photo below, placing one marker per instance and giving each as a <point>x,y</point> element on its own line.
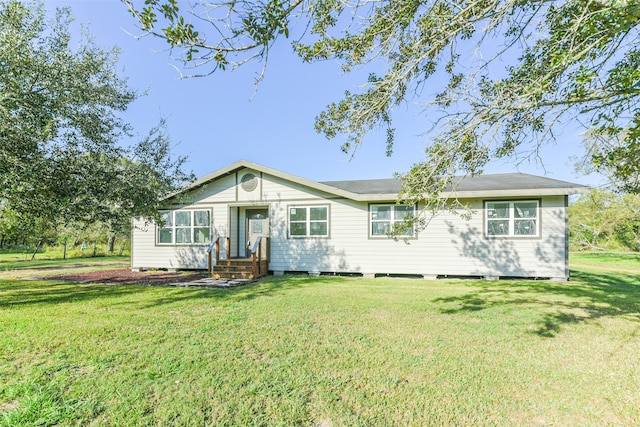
<point>213,283</point>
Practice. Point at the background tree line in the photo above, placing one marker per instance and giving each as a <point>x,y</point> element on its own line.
<point>605,220</point>
<point>30,235</point>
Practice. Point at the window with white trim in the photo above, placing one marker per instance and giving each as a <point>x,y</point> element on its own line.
<point>388,218</point>
<point>185,227</point>
<point>309,221</point>
<point>512,218</point>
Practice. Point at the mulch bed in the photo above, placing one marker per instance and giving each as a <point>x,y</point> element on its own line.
<point>125,276</point>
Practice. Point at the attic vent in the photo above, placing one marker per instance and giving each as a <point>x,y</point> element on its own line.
<point>249,182</point>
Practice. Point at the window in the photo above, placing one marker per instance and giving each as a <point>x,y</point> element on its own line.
<point>185,227</point>
<point>249,182</point>
<point>386,219</point>
<point>518,218</point>
<point>309,221</point>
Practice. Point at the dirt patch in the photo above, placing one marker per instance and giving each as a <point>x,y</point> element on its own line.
<point>125,276</point>
<point>9,406</point>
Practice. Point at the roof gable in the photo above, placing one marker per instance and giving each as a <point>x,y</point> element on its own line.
<point>489,185</point>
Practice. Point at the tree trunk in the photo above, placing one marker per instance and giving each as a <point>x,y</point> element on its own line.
<point>34,252</point>
<point>111,242</point>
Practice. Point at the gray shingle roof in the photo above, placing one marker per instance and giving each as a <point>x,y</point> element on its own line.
<point>499,185</point>
<point>490,182</point>
<point>367,186</point>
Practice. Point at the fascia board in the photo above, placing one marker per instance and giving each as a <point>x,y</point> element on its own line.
<point>483,194</point>
<point>375,197</point>
<point>532,192</point>
<point>201,181</point>
<point>307,182</point>
<point>267,170</point>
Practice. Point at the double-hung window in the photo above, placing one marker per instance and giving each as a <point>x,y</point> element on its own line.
<point>309,221</point>
<point>386,219</point>
<point>513,218</point>
<point>185,227</point>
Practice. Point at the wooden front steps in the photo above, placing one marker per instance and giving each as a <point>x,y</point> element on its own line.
<point>239,268</point>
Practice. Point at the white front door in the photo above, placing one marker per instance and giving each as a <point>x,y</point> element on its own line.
<point>257,226</point>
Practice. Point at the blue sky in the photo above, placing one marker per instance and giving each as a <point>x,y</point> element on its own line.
<point>219,119</point>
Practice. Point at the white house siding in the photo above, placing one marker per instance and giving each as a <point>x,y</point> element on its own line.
<point>449,245</point>
<point>145,253</point>
<point>453,246</point>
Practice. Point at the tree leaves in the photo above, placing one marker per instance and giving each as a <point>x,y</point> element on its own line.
<point>63,152</point>
<point>603,220</point>
<point>509,72</point>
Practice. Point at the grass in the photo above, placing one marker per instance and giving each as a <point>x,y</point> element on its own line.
<point>326,351</point>
<point>599,262</point>
<point>22,255</point>
<point>42,267</point>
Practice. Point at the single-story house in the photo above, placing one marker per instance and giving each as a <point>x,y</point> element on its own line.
<point>518,227</point>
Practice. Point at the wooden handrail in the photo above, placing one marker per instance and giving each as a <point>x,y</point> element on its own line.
<point>214,243</point>
<point>256,245</point>
<point>256,255</point>
<point>255,264</point>
<point>268,245</point>
<point>215,246</point>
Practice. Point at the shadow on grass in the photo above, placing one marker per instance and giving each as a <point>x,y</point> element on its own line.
<point>266,287</point>
<point>31,292</point>
<point>587,297</point>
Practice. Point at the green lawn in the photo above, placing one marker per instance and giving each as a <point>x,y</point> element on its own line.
<point>78,264</point>
<point>21,258</point>
<point>326,351</point>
